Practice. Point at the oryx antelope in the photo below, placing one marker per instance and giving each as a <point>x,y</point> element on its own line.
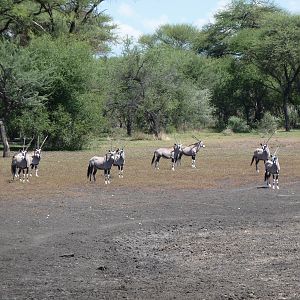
<point>101,163</point>
<point>35,157</point>
<point>119,161</point>
<point>21,162</point>
<point>168,153</point>
<point>262,153</point>
<point>192,151</point>
<point>272,167</point>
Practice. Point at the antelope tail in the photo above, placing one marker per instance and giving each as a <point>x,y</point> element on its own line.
<point>266,175</point>
<point>13,168</point>
<point>153,158</point>
<point>252,160</point>
<point>89,170</point>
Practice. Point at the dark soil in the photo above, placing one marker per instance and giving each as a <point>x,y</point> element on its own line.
<point>97,242</point>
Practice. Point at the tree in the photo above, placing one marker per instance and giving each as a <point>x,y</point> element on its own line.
<point>214,40</point>
<point>274,49</point>
<point>6,150</point>
<point>21,19</point>
<point>22,84</point>
<point>178,36</point>
<point>125,86</point>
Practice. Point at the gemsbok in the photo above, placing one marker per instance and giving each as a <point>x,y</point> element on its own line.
<point>168,153</point>
<point>21,162</point>
<point>262,153</point>
<point>101,163</point>
<point>35,157</point>
<point>272,167</point>
<point>192,151</point>
<point>119,161</point>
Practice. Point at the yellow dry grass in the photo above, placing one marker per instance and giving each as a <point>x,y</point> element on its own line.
<point>224,163</point>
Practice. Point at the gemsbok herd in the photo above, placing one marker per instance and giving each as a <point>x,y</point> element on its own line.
<point>25,161</point>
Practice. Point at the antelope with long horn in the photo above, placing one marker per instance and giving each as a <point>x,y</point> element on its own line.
<point>262,153</point>
<point>119,160</point>
<point>35,156</point>
<point>168,153</point>
<point>192,151</point>
<point>20,162</point>
<point>101,163</point>
<point>272,167</point>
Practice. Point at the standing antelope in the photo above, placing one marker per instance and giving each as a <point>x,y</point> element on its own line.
<point>119,161</point>
<point>192,151</point>
<point>21,162</point>
<point>101,163</point>
<point>272,167</point>
<point>35,157</point>
<point>262,153</point>
<point>168,153</point>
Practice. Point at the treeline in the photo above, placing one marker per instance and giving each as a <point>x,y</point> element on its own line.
<point>57,76</point>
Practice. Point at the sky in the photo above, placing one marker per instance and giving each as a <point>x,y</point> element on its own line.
<point>137,17</point>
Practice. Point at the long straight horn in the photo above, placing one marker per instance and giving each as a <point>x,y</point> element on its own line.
<point>29,144</point>
<point>193,136</point>
<point>24,140</point>
<point>38,142</point>
<point>269,138</point>
<point>44,141</point>
<point>175,139</point>
<point>276,151</point>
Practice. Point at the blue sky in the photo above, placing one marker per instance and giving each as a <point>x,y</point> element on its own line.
<point>137,17</point>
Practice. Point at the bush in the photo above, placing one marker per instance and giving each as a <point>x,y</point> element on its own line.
<point>237,125</point>
<point>268,124</point>
<point>66,133</point>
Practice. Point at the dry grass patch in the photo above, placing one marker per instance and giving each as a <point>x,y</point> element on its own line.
<point>225,162</point>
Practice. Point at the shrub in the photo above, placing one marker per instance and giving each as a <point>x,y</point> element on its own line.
<point>268,124</point>
<point>237,125</point>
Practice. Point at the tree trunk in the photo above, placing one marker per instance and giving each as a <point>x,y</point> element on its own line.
<point>129,127</point>
<point>6,150</point>
<point>286,111</point>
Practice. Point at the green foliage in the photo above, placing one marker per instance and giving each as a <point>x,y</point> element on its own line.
<point>178,36</point>
<point>66,133</point>
<point>20,21</point>
<point>237,125</point>
<point>268,124</point>
<point>32,121</point>
<point>23,87</point>
<point>246,64</point>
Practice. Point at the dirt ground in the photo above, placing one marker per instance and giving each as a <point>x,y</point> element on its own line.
<point>214,232</point>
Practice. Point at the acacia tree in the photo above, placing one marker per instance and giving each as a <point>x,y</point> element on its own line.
<point>178,36</point>
<point>22,85</point>
<point>125,86</point>
<point>20,19</point>
<point>258,36</point>
<point>215,38</point>
<point>275,50</point>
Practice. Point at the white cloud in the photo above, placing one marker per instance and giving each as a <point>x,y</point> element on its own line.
<point>126,10</point>
<point>221,5</point>
<point>152,24</point>
<point>201,22</point>
<point>125,30</point>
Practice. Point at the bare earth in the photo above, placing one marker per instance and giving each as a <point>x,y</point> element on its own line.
<point>214,232</point>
